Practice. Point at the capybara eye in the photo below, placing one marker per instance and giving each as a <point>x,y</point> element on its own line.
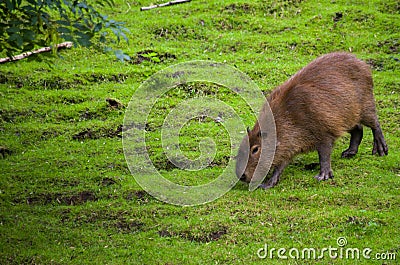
<point>254,150</point>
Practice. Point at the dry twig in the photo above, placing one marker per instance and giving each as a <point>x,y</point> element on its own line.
<point>164,4</point>
<point>63,45</point>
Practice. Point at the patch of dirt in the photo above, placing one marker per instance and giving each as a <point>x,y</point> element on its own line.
<point>151,127</point>
<point>337,17</point>
<point>360,16</point>
<point>363,221</point>
<point>227,24</point>
<point>205,237</point>
<point>375,64</point>
<point>293,199</point>
<point>202,89</point>
<point>160,160</point>
<point>166,233</point>
<point>390,7</point>
<point>70,100</point>
<point>139,195</point>
<point>279,8</point>
<point>59,82</point>
<point>273,8</point>
<point>127,226</point>
<point>102,78</point>
<point>121,221</point>
<point>99,113</point>
<point>133,125</point>
<point>239,7</point>
<point>49,134</point>
<point>97,134</point>
<point>108,181</point>
<point>178,32</point>
<point>115,133</point>
<point>55,82</point>
<point>311,166</point>
<point>164,164</point>
<point>392,46</point>
<point>396,170</point>
<point>215,235</point>
<point>152,56</point>
<point>222,161</point>
<point>113,103</point>
<point>13,115</point>
<point>5,151</point>
<point>178,74</point>
<point>60,198</point>
<point>85,134</point>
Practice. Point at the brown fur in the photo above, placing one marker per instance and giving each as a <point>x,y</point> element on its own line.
<point>327,98</point>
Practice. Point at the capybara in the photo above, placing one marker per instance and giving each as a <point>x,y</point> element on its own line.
<point>330,96</point>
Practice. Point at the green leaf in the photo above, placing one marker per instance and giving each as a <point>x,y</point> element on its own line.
<point>98,27</point>
<point>155,59</point>
<point>121,56</point>
<point>12,30</point>
<point>63,30</point>
<point>28,35</point>
<point>63,22</point>
<point>82,5</point>
<point>83,39</point>
<point>17,39</point>
<point>10,5</point>
<point>102,39</point>
<point>80,27</point>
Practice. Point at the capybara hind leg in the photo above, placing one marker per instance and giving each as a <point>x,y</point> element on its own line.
<point>380,146</point>
<point>371,120</point>
<point>355,140</point>
<point>324,153</point>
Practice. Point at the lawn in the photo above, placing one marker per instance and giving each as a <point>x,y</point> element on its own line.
<point>67,195</point>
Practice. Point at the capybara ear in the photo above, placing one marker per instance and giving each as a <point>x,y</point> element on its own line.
<point>262,134</point>
<point>248,130</point>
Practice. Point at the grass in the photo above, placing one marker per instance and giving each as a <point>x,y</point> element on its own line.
<point>66,193</point>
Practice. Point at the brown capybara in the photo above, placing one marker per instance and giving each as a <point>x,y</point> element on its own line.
<point>330,96</point>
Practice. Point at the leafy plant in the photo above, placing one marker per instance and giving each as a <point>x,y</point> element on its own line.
<point>153,56</point>
<point>25,25</point>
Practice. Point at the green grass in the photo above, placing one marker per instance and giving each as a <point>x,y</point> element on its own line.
<point>66,193</point>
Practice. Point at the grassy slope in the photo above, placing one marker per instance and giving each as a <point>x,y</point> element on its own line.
<point>66,195</point>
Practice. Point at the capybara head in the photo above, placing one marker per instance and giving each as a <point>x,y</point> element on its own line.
<point>248,155</point>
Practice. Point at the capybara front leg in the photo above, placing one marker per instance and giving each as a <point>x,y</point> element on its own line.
<point>324,153</point>
<point>275,177</point>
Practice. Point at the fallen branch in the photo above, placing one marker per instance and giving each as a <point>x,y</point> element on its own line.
<point>63,45</point>
<point>164,4</point>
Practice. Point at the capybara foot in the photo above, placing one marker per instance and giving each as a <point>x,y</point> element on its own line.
<point>270,183</point>
<point>380,147</point>
<point>349,153</point>
<point>324,175</point>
